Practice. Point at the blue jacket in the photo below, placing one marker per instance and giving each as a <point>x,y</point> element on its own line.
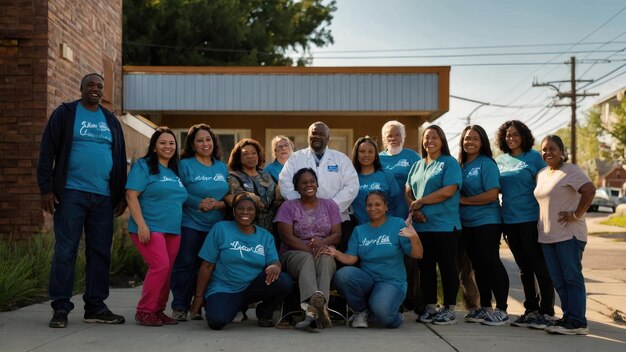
<point>56,145</point>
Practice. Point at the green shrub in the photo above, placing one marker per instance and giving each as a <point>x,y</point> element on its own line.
<point>24,270</point>
<point>125,258</point>
<point>25,266</point>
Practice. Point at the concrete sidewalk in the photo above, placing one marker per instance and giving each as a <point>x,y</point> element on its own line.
<point>27,329</point>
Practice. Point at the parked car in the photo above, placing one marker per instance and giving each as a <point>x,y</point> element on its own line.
<point>614,193</point>
<point>603,198</point>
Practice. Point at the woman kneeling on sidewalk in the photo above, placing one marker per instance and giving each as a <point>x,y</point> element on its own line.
<point>240,266</point>
<point>379,285</point>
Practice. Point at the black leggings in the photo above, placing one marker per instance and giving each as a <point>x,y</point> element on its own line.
<point>522,239</point>
<point>440,248</point>
<point>483,247</point>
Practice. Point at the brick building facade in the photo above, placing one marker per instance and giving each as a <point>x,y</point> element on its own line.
<point>45,48</point>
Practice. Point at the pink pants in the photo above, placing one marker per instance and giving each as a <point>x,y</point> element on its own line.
<point>159,254</point>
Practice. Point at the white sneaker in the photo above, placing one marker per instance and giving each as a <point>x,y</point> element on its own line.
<point>238,318</point>
<point>359,320</point>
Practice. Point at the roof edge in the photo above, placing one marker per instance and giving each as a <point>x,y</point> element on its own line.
<point>241,70</point>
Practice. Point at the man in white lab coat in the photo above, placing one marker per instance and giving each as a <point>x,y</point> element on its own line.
<point>337,178</point>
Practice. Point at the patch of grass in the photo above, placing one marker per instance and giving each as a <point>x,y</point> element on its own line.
<point>615,221</point>
<point>25,270</point>
<point>25,266</point>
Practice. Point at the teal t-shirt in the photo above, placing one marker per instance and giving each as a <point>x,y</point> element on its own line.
<point>377,181</point>
<point>425,179</point>
<point>201,182</point>
<point>161,199</point>
<point>91,158</point>
<point>517,179</point>
<point>479,176</point>
<point>274,168</point>
<point>381,250</point>
<point>238,258</point>
<point>399,165</point>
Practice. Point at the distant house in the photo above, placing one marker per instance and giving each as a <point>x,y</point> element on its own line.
<point>610,173</point>
<point>606,105</point>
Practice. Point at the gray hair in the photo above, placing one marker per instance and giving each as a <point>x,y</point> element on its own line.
<point>277,139</point>
<point>387,126</point>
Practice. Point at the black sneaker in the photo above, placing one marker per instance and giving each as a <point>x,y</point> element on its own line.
<point>59,319</point>
<point>106,317</point>
<point>568,327</point>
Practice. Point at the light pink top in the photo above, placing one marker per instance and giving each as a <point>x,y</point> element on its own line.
<point>557,191</point>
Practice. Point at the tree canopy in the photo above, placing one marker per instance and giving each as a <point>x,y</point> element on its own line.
<point>224,32</point>
<point>590,136</point>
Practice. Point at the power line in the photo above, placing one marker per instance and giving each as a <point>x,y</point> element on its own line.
<point>465,55</point>
<point>603,76</point>
<point>556,57</point>
<point>497,105</point>
<point>165,46</point>
<point>458,48</point>
<point>527,63</point>
<point>608,57</point>
<point>539,134</point>
<point>607,81</point>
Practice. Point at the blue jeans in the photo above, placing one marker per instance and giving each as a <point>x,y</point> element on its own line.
<point>564,260</point>
<point>185,270</point>
<point>93,212</point>
<point>222,307</point>
<point>382,299</point>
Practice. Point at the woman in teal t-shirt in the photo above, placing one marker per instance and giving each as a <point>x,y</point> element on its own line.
<point>205,178</point>
<point>520,212</point>
<point>372,177</point>
<point>155,196</point>
<point>239,266</point>
<point>378,285</point>
<point>433,190</point>
<point>482,225</point>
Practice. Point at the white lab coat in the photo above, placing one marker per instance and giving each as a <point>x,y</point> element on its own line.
<point>336,177</point>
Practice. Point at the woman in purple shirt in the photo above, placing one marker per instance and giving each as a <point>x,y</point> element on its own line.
<point>307,225</point>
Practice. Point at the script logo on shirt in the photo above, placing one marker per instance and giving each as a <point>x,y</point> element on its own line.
<point>217,177</point>
<point>169,179</point>
<point>400,163</point>
<point>376,186</point>
<point>512,167</point>
<point>437,169</point>
<point>382,240</point>
<point>236,246</point>
<point>474,172</point>
<point>96,131</point>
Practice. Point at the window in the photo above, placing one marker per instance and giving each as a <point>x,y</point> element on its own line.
<point>340,139</point>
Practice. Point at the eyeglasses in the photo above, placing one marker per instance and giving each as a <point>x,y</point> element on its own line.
<point>512,135</point>
<point>281,146</point>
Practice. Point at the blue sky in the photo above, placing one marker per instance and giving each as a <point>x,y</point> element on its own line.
<point>365,25</point>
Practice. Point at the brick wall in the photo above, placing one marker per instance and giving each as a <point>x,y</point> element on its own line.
<point>34,80</point>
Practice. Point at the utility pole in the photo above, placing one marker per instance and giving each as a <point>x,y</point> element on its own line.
<point>468,119</point>
<point>572,95</point>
